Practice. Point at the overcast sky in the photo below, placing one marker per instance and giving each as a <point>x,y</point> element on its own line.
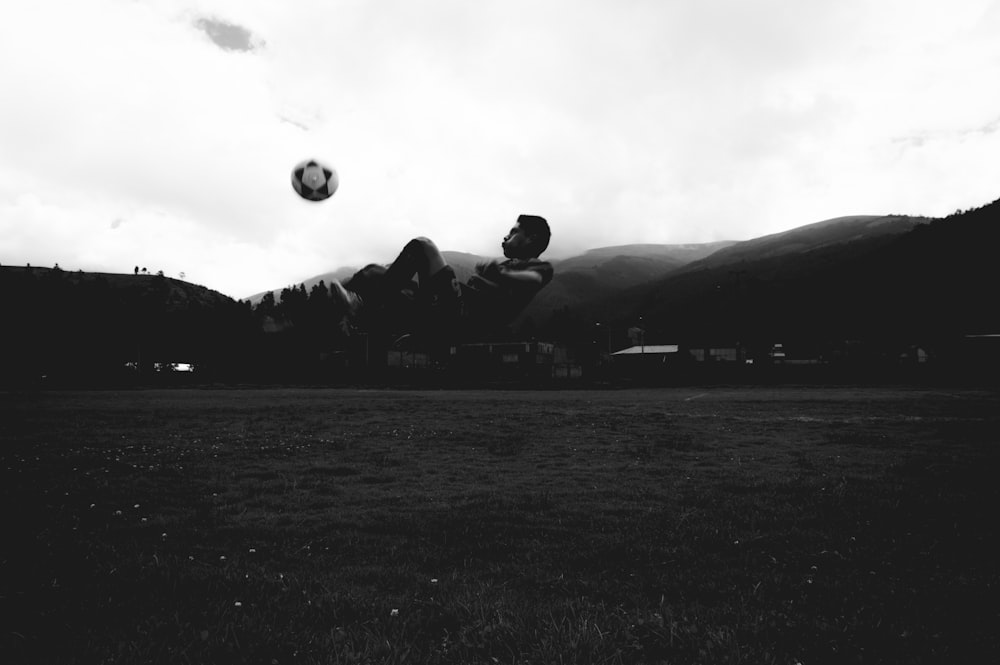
<point>162,133</point>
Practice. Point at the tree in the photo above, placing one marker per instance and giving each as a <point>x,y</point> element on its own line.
<point>319,292</point>
<point>267,305</point>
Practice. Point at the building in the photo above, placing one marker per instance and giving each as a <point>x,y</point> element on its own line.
<point>407,359</point>
<point>644,359</point>
<point>530,359</point>
<point>661,351</point>
<point>716,354</point>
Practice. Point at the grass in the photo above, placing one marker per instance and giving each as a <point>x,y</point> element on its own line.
<point>683,525</point>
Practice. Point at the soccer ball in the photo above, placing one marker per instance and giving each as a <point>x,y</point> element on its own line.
<point>314,181</point>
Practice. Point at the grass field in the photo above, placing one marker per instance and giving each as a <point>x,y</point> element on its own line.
<point>682,525</point>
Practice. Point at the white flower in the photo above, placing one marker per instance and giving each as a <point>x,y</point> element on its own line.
<point>237,604</point>
<point>394,613</point>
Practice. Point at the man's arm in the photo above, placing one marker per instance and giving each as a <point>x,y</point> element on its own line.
<point>520,276</point>
<point>497,273</point>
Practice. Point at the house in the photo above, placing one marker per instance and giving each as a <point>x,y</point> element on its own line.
<point>514,359</point>
<point>646,361</point>
<point>647,351</point>
<point>716,354</point>
<point>407,359</point>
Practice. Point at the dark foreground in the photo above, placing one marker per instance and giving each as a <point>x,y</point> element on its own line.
<point>695,525</point>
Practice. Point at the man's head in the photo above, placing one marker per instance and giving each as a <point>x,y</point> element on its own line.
<point>528,238</point>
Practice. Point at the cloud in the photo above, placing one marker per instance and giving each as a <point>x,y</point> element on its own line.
<point>228,36</point>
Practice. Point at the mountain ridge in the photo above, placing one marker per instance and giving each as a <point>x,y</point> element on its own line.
<point>891,280</point>
<point>648,254</point>
<point>860,276</point>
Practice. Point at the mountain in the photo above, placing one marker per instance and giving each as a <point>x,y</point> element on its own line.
<point>167,293</point>
<point>463,263</point>
<point>768,260</point>
<point>76,322</point>
<point>339,274</point>
<point>828,278</point>
<point>900,278</point>
<point>676,255</point>
<point>606,271</point>
<point>599,291</point>
<point>597,271</point>
<point>849,277</point>
<point>830,234</point>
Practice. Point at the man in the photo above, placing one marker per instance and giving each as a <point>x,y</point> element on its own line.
<point>437,302</point>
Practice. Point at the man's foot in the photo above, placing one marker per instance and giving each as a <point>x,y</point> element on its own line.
<point>349,300</point>
<point>351,303</point>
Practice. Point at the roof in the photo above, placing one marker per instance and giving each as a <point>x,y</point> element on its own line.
<point>647,349</point>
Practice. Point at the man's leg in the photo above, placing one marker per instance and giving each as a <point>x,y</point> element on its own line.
<point>419,257</point>
<point>438,298</point>
<point>361,292</point>
<point>381,289</point>
<point>367,282</point>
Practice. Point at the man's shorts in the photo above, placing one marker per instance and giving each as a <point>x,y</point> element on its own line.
<point>445,289</point>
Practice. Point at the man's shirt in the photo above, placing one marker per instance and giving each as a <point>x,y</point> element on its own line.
<point>505,298</point>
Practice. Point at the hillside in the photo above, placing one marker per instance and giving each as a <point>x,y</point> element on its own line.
<point>463,263</point>
<point>76,322</point>
<point>597,271</point>
<point>851,277</point>
<point>174,294</point>
<point>607,271</point>
<point>899,279</point>
<point>675,255</point>
<point>828,234</point>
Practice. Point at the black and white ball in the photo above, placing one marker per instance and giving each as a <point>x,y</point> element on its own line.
<point>314,181</point>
